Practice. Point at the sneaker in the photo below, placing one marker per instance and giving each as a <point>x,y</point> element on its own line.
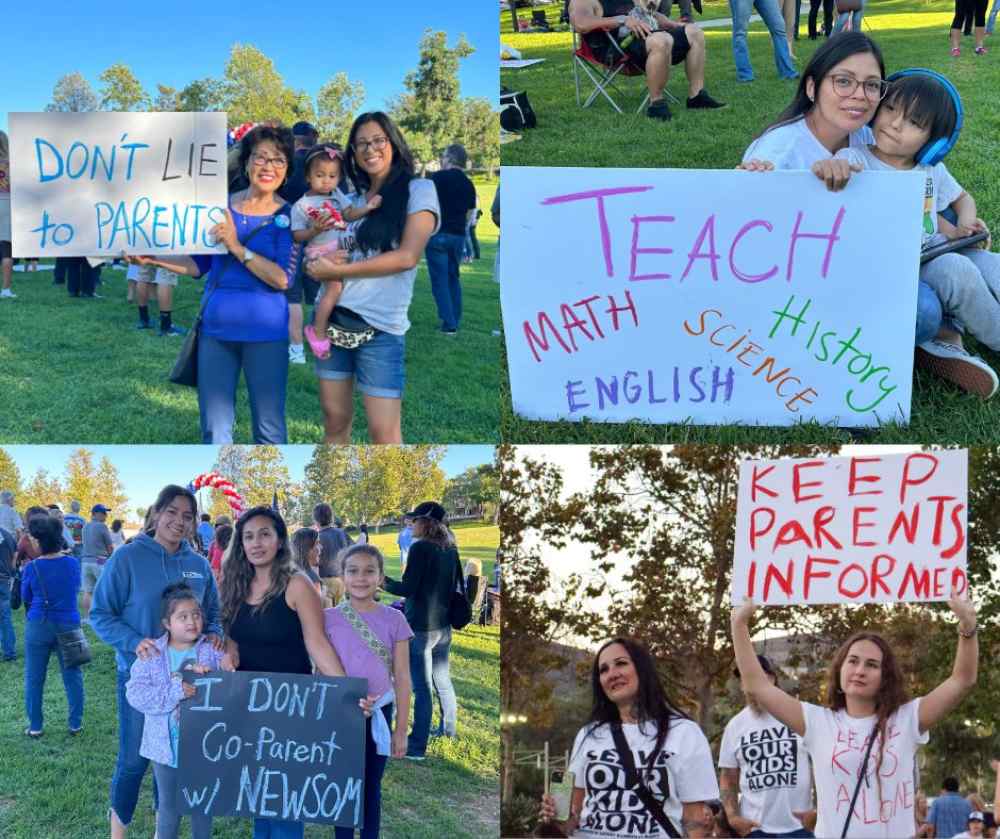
<point>703,100</point>
<point>449,331</point>
<point>956,365</point>
<point>296,354</point>
<point>174,330</point>
<point>956,52</point>
<point>409,756</point>
<point>659,110</point>
<point>7,293</point>
<point>980,50</point>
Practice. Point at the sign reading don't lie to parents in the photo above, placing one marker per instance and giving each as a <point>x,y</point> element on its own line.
<point>97,183</point>
<point>274,745</point>
<point>709,296</point>
<point>877,528</point>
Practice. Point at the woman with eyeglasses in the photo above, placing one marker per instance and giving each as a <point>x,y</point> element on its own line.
<point>378,268</point>
<point>244,325</point>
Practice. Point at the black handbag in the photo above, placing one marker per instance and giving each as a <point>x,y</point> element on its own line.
<point>185,369</point>
<point>459,608</point>
<point>15,590</point>
<point>73,646</point>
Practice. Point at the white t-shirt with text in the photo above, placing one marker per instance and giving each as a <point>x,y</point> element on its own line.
<point>885,804</point>
<point>794,146</point>
<point>681,771</point>
<point>775,780</point>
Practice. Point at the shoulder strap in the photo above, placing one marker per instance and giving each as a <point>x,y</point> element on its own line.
<point>633,781</point>
<point>364,631</point>
<point>862,776</point>
<point>41,582</point>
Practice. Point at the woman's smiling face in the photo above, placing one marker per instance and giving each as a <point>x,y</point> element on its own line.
<point>617,673</point>
<point>846,113</point>
<point>174,521</point>
<point>372,150</point>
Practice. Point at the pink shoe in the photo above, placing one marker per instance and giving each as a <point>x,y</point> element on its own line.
<point>319,346</point>
<point>980,50</point>
<point>956,52</point>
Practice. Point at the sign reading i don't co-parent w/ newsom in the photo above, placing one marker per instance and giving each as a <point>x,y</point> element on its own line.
<point>100,184</point>
<point>709,296</point>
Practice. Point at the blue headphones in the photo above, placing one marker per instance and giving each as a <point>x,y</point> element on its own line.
<point>935,149</point>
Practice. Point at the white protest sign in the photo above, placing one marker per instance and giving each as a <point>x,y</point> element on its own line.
<point>866,529</point>
<point>709,296</point>
<point>98,183</point>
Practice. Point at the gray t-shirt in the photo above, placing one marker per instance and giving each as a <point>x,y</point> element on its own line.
<point>97,544</point>
<point>334,540</point>
<point>385,301</point>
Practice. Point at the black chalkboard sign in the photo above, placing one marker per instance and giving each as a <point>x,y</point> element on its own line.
<point>274,745</point>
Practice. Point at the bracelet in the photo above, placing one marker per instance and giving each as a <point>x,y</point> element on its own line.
<point>967,634</point>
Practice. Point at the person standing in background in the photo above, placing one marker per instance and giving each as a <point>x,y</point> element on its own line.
<point>74,523</point>
<point>97,547</point>
<point>404,540</point>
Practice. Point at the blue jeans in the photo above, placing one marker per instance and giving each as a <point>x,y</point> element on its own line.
<point>771,15</point>
<point>855,20</point>
<point>265,365</point>
<point>7,637</point>
<point>429,665</point>
<point>991,21</point>
<point>444,255</point>
<point>39,642</point>
<point>277,829</point>
<point>374,769</point>
<point>929,313</point>
<point>130,766</point>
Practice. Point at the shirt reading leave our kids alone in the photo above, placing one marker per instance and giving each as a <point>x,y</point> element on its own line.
<point>680,771</point>
<point>837,743</point>
<point>775,780</point>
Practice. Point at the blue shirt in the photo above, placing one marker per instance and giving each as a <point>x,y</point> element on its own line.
<point>207,534</point>
<point>240,307</point>
<point>949,814</point>
<point>60,581</point>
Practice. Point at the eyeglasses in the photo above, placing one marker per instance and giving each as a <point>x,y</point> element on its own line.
<point>844,86</point>
<point>377,143</point>
<point>263,160</point>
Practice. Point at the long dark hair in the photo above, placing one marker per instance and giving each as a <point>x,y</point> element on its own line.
<point>836,49</point>
<point>383,230</point>
<point>652,702</point>
<point>237,572</point>
<point>163,500</point>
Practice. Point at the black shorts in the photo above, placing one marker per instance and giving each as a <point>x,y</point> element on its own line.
<point>637,49</point>
<point>5,251</point>
<point>304,287</point>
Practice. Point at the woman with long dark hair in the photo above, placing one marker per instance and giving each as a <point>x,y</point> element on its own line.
<point>668,751</point>
<point>378,267</point>
<point>127,614</point>
<point>307,549</point>
<point>863,742</point>
<point>432,573</point>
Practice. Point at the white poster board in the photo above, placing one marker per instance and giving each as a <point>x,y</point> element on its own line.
<point>99,183</point>
<point>866,529</point>
<point>709,296</point>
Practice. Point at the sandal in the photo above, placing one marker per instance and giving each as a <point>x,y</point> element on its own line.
<point>319,346</point>
<point>34,735</point>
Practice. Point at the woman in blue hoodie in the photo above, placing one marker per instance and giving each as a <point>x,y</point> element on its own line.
<point>126,615</point>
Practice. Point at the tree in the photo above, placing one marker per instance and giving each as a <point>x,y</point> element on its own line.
<point>201,95</point>
<point>40,491</point>
<point>338,100</point>
<point>472,490</point>
<point>481,134</point>
<point>109,490</point>
<point>90,484</point>
<point>72,93</point>
<point>254,91</point>
<point>166,99</point>
<point>431,110</point>
<point>122,90</point>
<point>264,474</point>
<point>10,475</point>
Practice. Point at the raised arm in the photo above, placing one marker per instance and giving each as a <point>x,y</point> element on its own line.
<point>773,699</point>
<point>937,704</point>
<point>304,599</point>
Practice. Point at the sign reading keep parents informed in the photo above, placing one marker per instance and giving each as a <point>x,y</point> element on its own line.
<point>97,183</point>
<point>274,745</point>
<point>709,296</point>
<point>867,529</point>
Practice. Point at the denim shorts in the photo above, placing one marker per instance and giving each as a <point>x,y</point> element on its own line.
<point>378,367</point>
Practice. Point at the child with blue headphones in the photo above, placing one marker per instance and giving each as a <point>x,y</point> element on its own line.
<point>915,126</point>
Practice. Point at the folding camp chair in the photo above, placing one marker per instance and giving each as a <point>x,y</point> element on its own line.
<point>604,74</point>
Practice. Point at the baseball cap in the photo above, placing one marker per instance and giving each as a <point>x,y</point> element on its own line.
<point>764,662</point>
<point>303,129</point>
<point>427,510</point>
<point>976,816</point>
<point>99,508</point>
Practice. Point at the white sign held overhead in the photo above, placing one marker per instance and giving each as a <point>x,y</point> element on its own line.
<point>709,296</point>
<point>99,184</point>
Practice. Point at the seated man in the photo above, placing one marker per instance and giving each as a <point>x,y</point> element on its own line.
<point>655,51</point>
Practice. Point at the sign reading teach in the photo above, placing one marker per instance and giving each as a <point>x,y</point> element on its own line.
<point>709,296</point>
<point>874,529</point>
<point>274,745</point>
<point>92,184</point>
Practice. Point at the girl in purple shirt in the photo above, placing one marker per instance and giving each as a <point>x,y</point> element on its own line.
<point>372,641</point>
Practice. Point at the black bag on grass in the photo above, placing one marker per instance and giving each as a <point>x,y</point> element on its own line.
<point>516,112</point>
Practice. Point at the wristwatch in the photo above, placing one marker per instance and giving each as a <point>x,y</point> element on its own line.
<point>247,255</point>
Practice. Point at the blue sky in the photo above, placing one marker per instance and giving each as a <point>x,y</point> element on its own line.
<point>178,42</point>
<point>145,470</point>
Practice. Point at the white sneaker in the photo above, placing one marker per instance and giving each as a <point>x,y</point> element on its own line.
<point>956,365</point>
<point>296,354</point>
<point>7,293</point>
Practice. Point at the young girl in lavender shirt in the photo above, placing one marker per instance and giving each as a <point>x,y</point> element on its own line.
<point>156,688</point>
<point>372,641</point>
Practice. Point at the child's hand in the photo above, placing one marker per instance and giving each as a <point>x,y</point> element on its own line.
<point>228,664</point>
<point>979,226</point>
<point>374,202</point>
<point>189,690</point>
<point>835,173</point>
<point>146,648</point>
<point>399,742</point>
<point>754,165</point>
<point>367,704</point>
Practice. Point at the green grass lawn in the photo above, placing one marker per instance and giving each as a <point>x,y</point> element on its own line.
<point>76,371</point>
<point>474,539</point>
<point>57,787</point>
<point>910,34</point>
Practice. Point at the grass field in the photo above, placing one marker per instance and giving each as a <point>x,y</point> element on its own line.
<point>910,34</point>
<point>475,540</point>
<point>76,371</point>
<point>56,787</point>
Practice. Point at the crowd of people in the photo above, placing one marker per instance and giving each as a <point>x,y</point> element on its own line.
<point>232,596</point>
<point>344,229</point>
<point>641,767</point>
